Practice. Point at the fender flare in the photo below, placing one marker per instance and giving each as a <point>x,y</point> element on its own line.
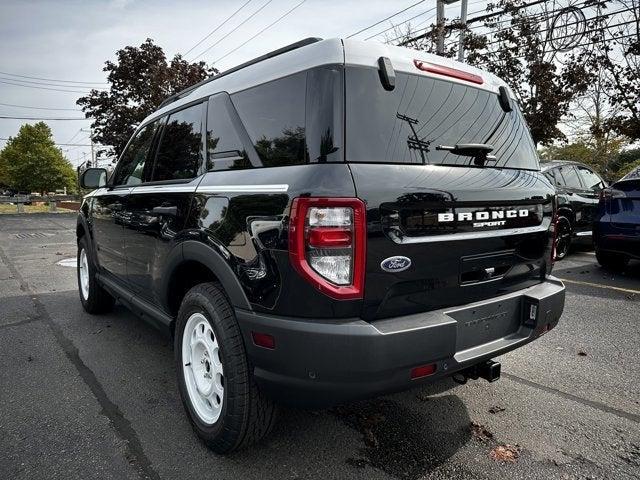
<point>209,257</point>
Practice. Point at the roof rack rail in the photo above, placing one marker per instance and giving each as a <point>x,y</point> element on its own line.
<point>275,53</point>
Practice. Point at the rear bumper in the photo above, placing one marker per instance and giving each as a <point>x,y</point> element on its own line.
<point>326,362</point>
<point>615,242</point>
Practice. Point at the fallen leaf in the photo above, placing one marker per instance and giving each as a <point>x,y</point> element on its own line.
<point>496,409</point>
<point>582,353</point>
<point>505,453</point>
<point>480,432</point>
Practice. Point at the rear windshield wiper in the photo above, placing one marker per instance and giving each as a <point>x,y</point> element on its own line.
<point>480,151</point>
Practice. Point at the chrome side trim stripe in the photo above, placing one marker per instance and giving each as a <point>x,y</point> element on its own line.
<point>281,188</point>
<point>277,188</point>
<point>588,233</point>
<point>470,235</point>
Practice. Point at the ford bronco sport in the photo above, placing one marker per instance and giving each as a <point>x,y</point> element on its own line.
<point>332,221</point>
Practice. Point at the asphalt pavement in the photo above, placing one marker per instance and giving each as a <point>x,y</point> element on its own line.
<point>88,397</point>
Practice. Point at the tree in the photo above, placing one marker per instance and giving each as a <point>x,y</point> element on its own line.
<point>140,80</point>
<point>516,49</point>
<point>32,162</point>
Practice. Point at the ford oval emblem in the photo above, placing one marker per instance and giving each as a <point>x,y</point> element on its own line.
<point>395,264</point>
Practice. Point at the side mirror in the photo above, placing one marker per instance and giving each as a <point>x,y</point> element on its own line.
<point>93,178</point>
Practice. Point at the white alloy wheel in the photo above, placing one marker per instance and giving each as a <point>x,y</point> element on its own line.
<point>83,265</point>
<point>202,368</point>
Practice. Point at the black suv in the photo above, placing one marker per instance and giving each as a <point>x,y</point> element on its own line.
<point>332,221</point>
<point>578,189</point>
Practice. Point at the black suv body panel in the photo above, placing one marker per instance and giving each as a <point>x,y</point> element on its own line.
<point>447,259</point>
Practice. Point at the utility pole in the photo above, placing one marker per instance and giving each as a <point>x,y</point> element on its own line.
<point>440,27</point>
<point>463,27</point>
<point>93,157</point>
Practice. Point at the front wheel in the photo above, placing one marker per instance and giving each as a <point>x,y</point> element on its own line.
<point>94,298</point>
<point>223,402</point>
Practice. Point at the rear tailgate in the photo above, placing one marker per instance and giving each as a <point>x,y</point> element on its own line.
<point>486,234</point>
<point>624,205</point>
<point>467,226</point>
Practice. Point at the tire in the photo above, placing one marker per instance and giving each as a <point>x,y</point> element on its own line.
<point>563,242</point>
<point>94,298</point>
<point>225,406</point>
<point>611,261</point>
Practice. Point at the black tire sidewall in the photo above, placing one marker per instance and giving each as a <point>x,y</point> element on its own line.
<point>234,365</point>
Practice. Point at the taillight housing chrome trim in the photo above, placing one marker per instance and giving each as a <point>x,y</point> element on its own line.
<point>298,241</point>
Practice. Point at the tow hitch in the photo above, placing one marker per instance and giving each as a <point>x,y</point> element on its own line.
<point>488,370</point>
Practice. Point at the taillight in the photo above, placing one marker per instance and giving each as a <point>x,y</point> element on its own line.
<point>554,232</point>
<point>327,244</point>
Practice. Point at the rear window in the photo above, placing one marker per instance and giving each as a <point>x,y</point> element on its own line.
<point>407,124</point>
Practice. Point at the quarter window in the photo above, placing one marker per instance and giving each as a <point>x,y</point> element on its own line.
<point>224,147</point>
<point>570,176</point>
<point>590,179</point>
<point>180,150</point>
<point>274,117</point>
<point>131,169</point>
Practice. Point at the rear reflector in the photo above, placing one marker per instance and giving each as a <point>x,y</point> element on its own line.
<point>448,72</point>
<point>264,340</point>
<point>423,371</point>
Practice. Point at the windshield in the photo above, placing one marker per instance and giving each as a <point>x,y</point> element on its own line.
<point>407,125</point>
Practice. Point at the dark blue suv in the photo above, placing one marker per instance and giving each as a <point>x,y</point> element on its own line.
<point>616,229</point>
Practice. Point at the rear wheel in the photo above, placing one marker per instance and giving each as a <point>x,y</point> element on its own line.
<point>563,242</point>
<point>611,261</point>
<point>94,298</point>
<point>223,402</point>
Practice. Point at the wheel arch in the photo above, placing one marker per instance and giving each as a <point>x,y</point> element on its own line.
<point>199,263</point>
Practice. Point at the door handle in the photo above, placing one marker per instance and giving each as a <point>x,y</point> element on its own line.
<point>171,211</point>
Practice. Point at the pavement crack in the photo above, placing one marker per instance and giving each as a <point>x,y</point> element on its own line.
<point>134,452</point>
<point>569,396</point>
<point>21,322</point>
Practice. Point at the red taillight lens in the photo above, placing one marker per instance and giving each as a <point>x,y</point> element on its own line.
<point>554,232</point>
<point>448,72</point>
<point>327,244</point>
<point>423,371</point>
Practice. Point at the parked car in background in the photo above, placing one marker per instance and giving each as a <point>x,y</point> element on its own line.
<point>616,229</point>
<point>578,188</point>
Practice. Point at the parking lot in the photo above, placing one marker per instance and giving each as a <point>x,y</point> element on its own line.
<point>95,396</point>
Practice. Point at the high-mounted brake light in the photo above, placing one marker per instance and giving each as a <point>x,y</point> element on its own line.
<point>327,243</point>
<point>448,72</point>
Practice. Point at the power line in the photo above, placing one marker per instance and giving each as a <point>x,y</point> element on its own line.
<point>478,19</point>
<point>52,79</point>
<point>261,31</point>
<point>234,29</point>
<point>33,82</point>
<point>42,118</point>
<point>40,108</point>
<point>217,28</point>
<point>401,23</point>
<point>385,19</point>
<point>4,139</point>
<point>44,88</point>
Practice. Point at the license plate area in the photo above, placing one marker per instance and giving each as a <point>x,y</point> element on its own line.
<point>486,323</point>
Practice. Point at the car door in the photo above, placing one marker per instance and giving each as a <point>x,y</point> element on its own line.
<point>590,193</point>
<point>574,192</point>
<point>159,207</point>
<point>109,213</point>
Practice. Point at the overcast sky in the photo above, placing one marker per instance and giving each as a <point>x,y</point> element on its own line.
<point>70,40</point>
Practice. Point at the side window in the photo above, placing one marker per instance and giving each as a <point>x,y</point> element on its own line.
<point>131,169</point>
<point>180,149</point>
<point>274,117</point>
<point>590,179</point>
<point>570,176</point>
<point>224,146</point>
